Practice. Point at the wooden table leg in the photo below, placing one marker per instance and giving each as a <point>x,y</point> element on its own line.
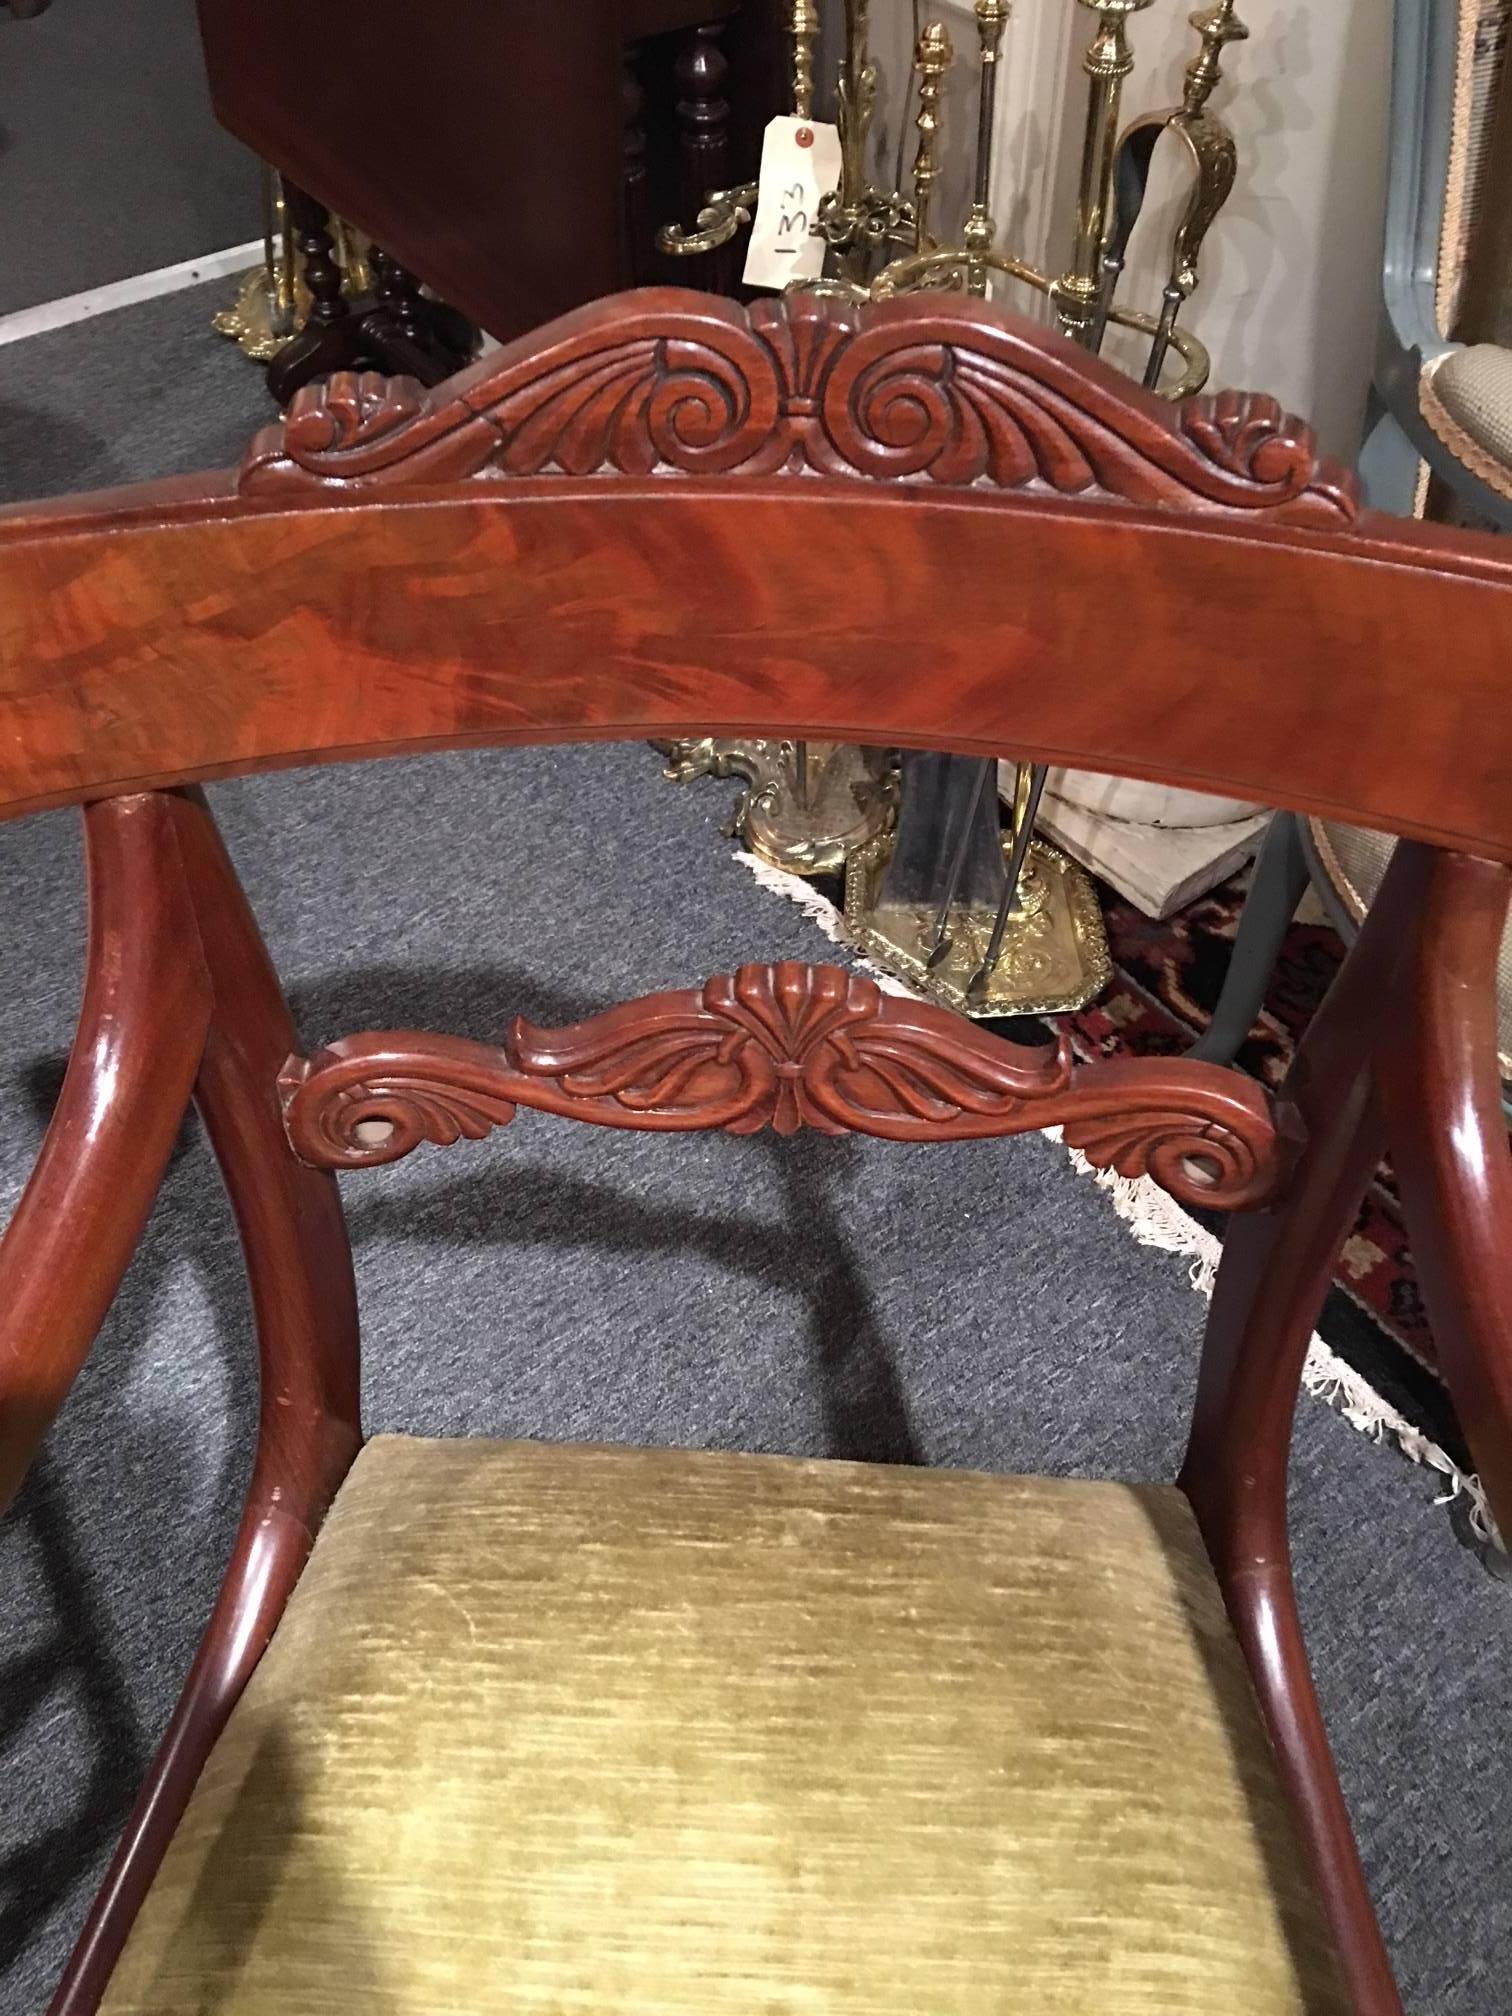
<point>408,332</point>
<point>704,110</point>
<point>332,338</point>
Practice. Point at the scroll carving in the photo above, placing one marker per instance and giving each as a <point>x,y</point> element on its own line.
<point>929,388</point>
<point>788,1046</point>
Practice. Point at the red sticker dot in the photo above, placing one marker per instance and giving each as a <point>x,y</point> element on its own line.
<point>804,137</point>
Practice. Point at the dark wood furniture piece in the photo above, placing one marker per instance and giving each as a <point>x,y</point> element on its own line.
<point>634,525</point>
<point>516,158</point>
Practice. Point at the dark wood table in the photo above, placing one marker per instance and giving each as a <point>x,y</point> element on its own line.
<point>515,155</point>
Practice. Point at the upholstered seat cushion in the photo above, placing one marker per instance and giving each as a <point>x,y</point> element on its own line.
<point>584,1731</point>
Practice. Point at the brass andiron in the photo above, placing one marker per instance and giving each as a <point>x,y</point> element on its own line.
<point>1032,941</point>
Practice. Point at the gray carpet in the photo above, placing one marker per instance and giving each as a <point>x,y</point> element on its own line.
<point>150,390</point>
<point>111,162</point>
<point>971,1305</point>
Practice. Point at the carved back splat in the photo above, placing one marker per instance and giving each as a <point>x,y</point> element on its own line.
<point>788,1046</point>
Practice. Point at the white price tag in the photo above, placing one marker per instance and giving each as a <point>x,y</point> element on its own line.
<point>800,162</point>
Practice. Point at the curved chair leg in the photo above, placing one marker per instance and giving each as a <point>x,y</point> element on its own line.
<point>300,1268</point>
<point>1447,1130</point>
<point>141,1031</point>
<point>1280,878</point>
<point>1277,1265</point>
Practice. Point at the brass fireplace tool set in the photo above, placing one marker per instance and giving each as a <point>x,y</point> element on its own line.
<point>991,922</point>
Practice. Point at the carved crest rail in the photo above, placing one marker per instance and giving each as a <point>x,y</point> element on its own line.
<point>930,388</point>
<point>788,1046</point>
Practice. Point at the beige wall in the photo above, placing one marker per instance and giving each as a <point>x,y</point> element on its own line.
<point>1291,279</point>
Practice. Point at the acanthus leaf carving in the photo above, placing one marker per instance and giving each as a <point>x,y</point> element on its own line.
<point>936,389</point>
<point>788,1046</point>
<point>375,1101</point>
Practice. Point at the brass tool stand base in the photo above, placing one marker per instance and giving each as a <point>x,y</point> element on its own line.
<point>809,824</point>
<point>256,319</point>
<point>1054,957</point>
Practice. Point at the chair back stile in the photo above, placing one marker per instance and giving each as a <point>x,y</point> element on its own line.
<point>636,522</point>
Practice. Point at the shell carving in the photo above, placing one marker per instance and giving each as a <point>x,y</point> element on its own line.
<point>788,1046</point>
<point>792,1046</point>
<point>933,389</point>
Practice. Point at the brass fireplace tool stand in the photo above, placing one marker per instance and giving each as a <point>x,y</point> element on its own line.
<point>993,923</point>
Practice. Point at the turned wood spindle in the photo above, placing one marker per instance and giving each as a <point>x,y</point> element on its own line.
<point>704,112</point>
<point>317,255</point>
<point>331,339</point>
<point>399,292</point>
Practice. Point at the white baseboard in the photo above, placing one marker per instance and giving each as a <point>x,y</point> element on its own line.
<point>48,315</point>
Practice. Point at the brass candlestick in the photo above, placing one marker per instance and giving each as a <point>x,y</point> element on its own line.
<point>803,27</point>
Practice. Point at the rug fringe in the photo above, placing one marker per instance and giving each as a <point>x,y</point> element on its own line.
<point>1157,1220</point>
<point>819,910</point>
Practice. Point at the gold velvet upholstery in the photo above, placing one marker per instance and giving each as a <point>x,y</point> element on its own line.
<point>607,1732</point>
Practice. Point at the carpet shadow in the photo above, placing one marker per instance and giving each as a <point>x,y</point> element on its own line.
<point>48,1873</point>
<point>864,1407</point>
<point>475,1001</point>
<point>40,1870</point>
<point>47,453</point>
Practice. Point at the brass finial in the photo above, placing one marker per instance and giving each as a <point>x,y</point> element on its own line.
<point>981,230</point>
<point>1217,27</point>
<point>932,59</point>
<point>1108,57</point>
<point>803,27</point>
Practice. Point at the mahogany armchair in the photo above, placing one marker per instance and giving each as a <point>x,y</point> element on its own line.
<point>485,1725</point>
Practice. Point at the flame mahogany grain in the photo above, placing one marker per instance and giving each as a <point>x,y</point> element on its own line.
<point>511,565</point>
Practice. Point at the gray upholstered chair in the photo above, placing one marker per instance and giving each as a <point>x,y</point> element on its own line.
<point>1435,401</point>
